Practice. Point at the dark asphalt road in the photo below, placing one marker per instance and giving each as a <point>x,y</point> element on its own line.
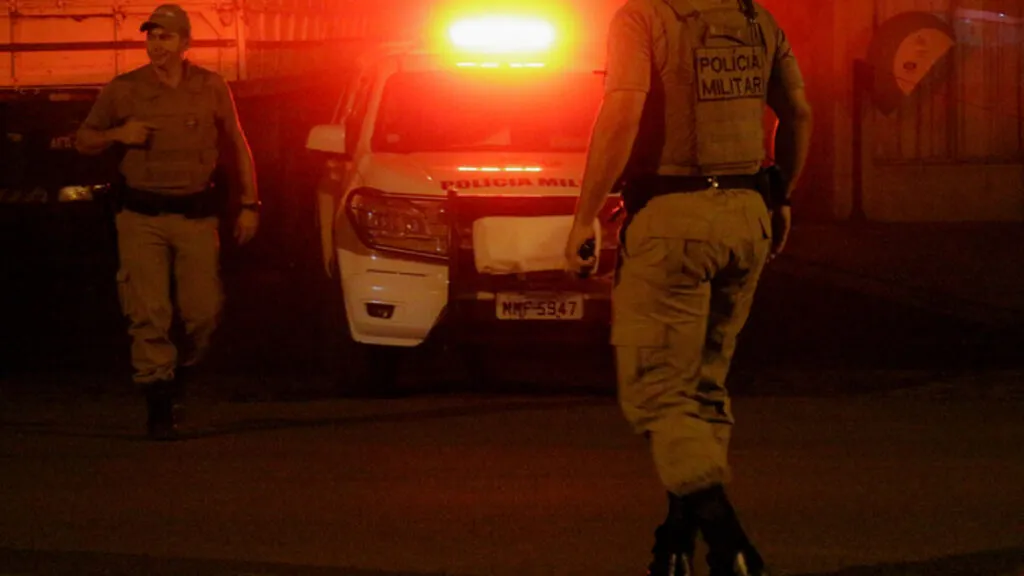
<point>22,563</point>
<point>877,438</point>
<point>869,485</point>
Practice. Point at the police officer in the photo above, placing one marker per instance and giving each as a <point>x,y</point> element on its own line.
<point>682,127</point>
<point>168,118</point>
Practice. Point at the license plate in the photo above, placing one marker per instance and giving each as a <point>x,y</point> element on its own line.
<point>539,306</point>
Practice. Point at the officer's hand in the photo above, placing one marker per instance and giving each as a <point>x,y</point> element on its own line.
<point>577,237</point>
<point>782,221</point>
<point>134,132</point>
<point>246,226</point>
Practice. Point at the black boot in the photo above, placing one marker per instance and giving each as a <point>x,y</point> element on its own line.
<point>674,541</point>
<point>670,565</point>
<point>730,551</point>
<point>747,563</point>
<point>164,410</point>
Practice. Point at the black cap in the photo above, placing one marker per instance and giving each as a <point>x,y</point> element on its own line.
<point>170,17</point>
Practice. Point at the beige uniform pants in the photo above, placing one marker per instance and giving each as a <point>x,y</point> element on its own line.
<point>152,248</point>
<point>689,266</point>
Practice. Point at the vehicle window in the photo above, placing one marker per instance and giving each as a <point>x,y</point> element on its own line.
<point>478,110</point>
<point>354,122</point>
<point>341,107</point>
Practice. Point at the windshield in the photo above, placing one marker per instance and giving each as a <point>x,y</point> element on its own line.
<point>478,110</point>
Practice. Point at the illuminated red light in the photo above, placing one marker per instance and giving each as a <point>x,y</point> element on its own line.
<point>500,169</point>
<point>502,35</point>
<point>498,65</point>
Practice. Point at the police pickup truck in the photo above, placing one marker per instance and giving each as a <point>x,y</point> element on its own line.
<point>451,171</point>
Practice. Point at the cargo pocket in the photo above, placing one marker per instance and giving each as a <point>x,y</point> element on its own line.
<point>641,355</point>
<point>667,259</point>
<point>760,224</point>
<point>759,219</point>
<point>635,301</point>
<point>765,226</point>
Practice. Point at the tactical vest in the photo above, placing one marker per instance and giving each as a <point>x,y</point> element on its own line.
<point>182,152</point>
<point>723,71</point>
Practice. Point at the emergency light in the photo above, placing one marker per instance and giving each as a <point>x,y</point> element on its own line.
<point>502,35</point>
<point>500,169</point>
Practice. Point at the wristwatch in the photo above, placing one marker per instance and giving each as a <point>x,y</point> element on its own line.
<point>254,206</point>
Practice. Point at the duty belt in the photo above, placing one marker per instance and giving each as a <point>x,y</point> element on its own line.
<point>638,191</point>
<point>198,205</point>
<point>659,185</point>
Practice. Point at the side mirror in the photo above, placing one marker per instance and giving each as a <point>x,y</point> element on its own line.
<point>328,138</point>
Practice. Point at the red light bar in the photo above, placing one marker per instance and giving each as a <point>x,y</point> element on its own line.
<point>498,65</point>
<point>502,35</point>
<point>500,169</point>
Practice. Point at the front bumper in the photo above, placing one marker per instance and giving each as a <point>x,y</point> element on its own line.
<point>421,296</point>
<point>413,294</point>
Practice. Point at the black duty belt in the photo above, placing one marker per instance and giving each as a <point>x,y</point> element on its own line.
<point>198,205</point>
<point>658,185</point>
<point>639,190</point>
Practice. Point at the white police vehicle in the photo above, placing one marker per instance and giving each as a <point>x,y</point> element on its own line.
<point>450,178</point>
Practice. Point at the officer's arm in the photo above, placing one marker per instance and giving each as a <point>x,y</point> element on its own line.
<point>227,114</point>
<point>97,132</point>
<point>787,98</point>
<point>618,122</point>
<point>610,147</point>
<point>793,136</point>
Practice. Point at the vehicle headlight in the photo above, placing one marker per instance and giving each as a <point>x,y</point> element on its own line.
<point>415,225</point>
<point>79,193</point>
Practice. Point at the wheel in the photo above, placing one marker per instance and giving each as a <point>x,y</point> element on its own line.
<point>355,370</point>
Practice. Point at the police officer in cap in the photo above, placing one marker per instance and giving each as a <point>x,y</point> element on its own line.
<point>168,118</point>
<point>682,129</point>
